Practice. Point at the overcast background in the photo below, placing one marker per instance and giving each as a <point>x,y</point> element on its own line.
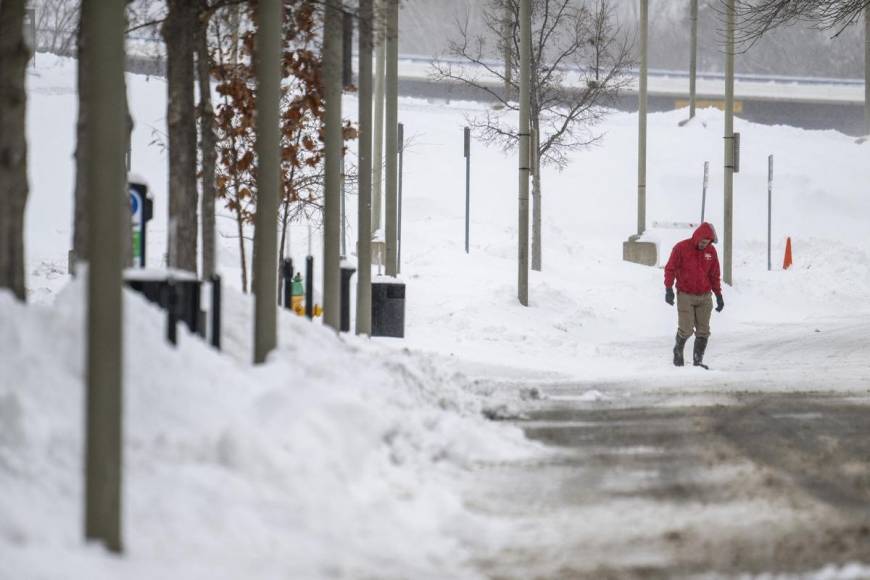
<point>427,25</point>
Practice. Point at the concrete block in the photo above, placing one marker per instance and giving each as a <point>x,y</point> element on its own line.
<point>645,253</point>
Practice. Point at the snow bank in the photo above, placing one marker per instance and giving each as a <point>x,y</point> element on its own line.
<point>337,458</point>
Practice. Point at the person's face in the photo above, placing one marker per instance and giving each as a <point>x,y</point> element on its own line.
<point>703,243</point>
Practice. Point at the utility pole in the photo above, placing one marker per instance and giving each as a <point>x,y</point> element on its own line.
<point>103,30</point>
<point>332,54</point>
<point>524,157</point>
<point>378,155</point>
<point>268,54</point>
<point>364,215</point>
<point>729,140</point>
<point>641,143</point>
<point>704,190</point>
<point>401,147</point>
<point>867,70</point>
<point>693,61</point>
<point>391,130</point>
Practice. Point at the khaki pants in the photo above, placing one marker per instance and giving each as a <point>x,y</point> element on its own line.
<point>693,312</point>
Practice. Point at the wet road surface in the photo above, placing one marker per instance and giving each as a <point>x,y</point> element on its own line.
<point>683,485</point>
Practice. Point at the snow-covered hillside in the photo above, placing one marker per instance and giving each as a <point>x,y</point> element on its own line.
<point>345,457</point>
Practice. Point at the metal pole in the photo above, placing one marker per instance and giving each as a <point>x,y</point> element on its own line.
<point>523,162</point>
<point>391,131</point>
<point>103,29</point>
<point>399,229</point>
<point>171,292</point>
<point>378,154</point>
<point>641,142</point>
<point>693,61</point>
<point>769,207</point>
<point>729,141</point>
<point>309,287</point>
<point>537,209</point>
<point>287,276</point>
<point>268,54</point>
<point>867,70</point>
<point>332,40</point>
<point>364,216</point>
<point>216,311</point>
<point>467,149</point>
<point>704,191</point>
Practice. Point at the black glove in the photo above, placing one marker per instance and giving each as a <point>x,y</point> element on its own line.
<point>720,303</point>
<point>669,296</point>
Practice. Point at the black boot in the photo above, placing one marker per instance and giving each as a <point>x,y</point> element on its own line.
<point>700,347</point>
<point>678,350</point>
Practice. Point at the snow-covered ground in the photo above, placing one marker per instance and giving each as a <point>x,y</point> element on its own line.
<point>342,457</point>
<point>593,316</point>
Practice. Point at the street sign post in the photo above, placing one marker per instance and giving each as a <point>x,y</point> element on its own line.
<point>467,149</point>
<point>142,210</point>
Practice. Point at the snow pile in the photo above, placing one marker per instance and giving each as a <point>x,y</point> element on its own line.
<point>337,458</point>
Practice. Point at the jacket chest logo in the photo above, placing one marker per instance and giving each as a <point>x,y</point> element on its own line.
<point>708,257</point>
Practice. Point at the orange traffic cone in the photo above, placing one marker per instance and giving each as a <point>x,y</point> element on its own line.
<point>786,262</point>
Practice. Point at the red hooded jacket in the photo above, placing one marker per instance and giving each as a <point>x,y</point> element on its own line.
<point>696,271</point>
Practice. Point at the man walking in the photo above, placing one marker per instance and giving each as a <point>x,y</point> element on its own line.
<point>695,266</point>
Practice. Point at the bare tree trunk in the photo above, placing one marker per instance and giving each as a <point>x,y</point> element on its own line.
<point>285,221</point>
<point>178,34</point>
<point>268,65</point>
<point>103,27</point>
<point>332,42</point>
<point>364,215</point>
<point>242,257</point>
<point>13,146</point>
<point>80,219</point>
<point>208,145</point>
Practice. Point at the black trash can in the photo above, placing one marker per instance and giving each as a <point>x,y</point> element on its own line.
<point>347,272</point>
<point>155,286</point>
<point>388,309</point>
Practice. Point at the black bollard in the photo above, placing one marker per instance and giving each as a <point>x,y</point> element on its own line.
<point>216,311</point>
<point>309,287</point>
<point>171,312</point>
<point>287,276</point>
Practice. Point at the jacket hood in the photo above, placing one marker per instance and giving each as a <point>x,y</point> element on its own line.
<point>704,231</point>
